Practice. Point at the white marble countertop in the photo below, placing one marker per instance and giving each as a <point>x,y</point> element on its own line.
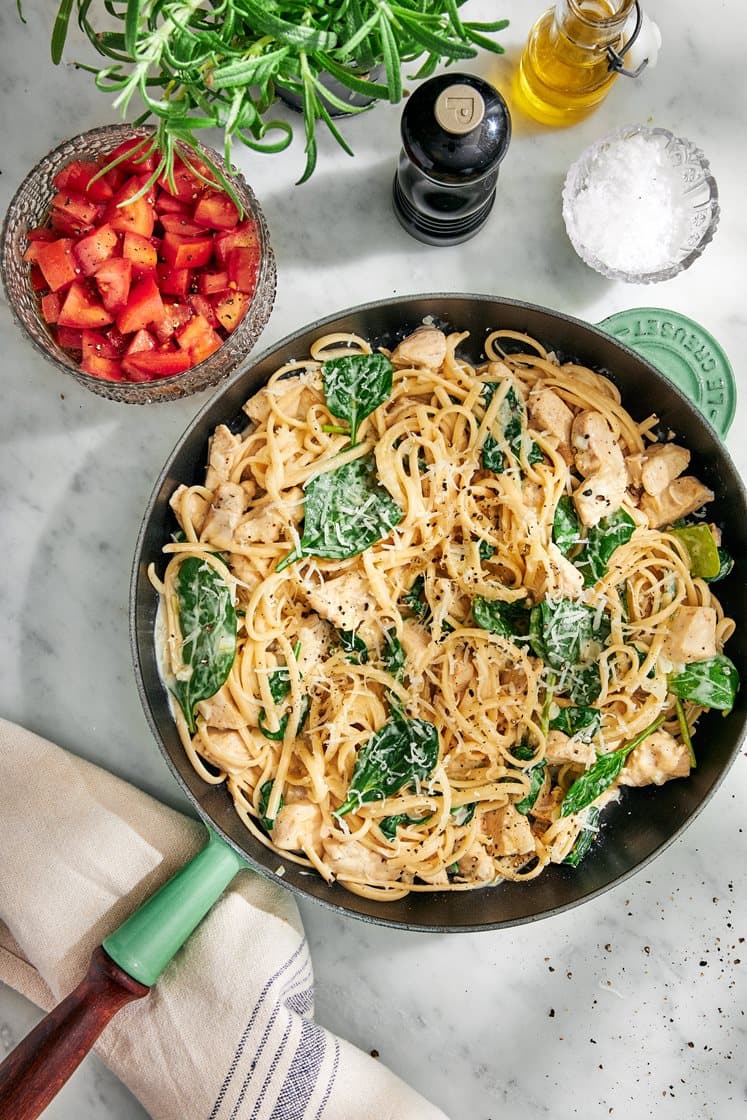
<point>633,1004</point>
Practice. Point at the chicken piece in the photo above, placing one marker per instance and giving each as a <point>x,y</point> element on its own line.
<point>680,498</point>
<point>415,642</point>
<point>562,749</point>
<point>600,494</point>
<point>655,761</point>
<point>547,806</point>
<point>353,859</point>
<point>258,407</point>
<point>268,522</point>
<point>346,601</point>
<point>549,413</point>
<point>514,680</point>
<point>692,635</point>
<point>226,512</point>
<point>225,749</point>
<point>424,347</point>
<point>662,464</point>
<point>315,638</point>
<point>220,711</point>
<point>508,831</point>
<point>563,578</point>
<point>476,866</point>
<point>220,457</point>
<point>298,827</point>
<point>594,445</point>
<point>197,508</point>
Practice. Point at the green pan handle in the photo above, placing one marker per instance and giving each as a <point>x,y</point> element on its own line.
<point>150,937</point>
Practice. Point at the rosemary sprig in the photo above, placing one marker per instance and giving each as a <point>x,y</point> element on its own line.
<point>197,64</point>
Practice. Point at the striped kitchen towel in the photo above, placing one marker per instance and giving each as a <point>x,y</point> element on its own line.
<point>227,1033</point>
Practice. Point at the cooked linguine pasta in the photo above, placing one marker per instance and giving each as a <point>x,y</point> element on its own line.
<point>454,704</point>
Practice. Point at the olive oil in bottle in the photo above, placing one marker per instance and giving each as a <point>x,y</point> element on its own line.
<point>565,70</point>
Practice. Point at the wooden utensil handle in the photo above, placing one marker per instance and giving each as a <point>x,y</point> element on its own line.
<point>36,1070</point>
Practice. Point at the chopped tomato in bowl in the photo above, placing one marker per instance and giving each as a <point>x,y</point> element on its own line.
<point>144,286</point>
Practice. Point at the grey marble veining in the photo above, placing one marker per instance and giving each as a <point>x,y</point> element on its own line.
<point>633,1005</point>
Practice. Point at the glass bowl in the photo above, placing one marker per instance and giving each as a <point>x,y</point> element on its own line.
<point>681,188</point>
<point>30,207</point>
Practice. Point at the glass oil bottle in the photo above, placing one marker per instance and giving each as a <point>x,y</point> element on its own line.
<point>572,57</point>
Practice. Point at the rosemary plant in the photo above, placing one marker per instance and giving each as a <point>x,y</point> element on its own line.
<point>197,64</point>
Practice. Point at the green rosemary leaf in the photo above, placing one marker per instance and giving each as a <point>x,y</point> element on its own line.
<point>59,31</point>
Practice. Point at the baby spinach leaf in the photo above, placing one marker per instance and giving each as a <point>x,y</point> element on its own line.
<point>485,550</point>
<point>356,650</point>
<point>416,602</point>
<point>402,751</point>
<point>585,838</point>
<point>265,792</point>
<point>280,733</point>
<point>463,814</point>
<point>207,621</point>
<point>355,385</point>
<point>602,774</point>
<point>601,541</point>
<point>536,777</point>
<point>726,563</point>
<point>712,683</point>
<point>346,511</point>
<point>574,720</point>
<point>523,751</point>
<point>393,655</point>
<point>566,527</point>
<point>389,825</point>
<point>512,420</point>
<point>510,620</point>
<point>564,633</point>
<point>702,551</point>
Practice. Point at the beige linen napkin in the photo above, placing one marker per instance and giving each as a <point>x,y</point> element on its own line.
<point>226,1033</point>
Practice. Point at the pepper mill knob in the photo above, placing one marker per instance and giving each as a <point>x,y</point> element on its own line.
<point>456,129</point>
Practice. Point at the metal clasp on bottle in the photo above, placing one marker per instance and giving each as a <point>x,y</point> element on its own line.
<point>616,58</point>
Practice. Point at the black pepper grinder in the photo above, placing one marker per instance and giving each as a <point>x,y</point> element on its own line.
<point>455,131</point>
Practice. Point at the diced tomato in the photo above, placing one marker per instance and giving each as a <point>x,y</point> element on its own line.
<point>96,247</point>
<point>231,308</point>
<point>118,340</point>
<point>108,369</point>
<point>181,223</point>
<point>186,252</point>
<point>216,211</point>
<point>134,152</point>
<point>68,338</point>
<point>127,216</point>
<point>81,309</point>
<point>78,176</point>
<point>32,253</point>
<point>144,307</point>
<point>173,281</point>
<point>167,204</point>
<point>245,236</point>
<point>157,363</point>
<point>56,260</point>
<point>113,280</point>
<point>141,341</point>
<point>176,314</point>
<point>212,282</point>
<point>198,338</point>
<point>38,283</point>
<point>184,186</point>
<point>243,266</point>
<point>116,177</point>
<point>202,306</point>
<point>97,344</point>
<point>41,233</point>
<point>50,306</point>
<point>65,225</point>
<point>141,251</point>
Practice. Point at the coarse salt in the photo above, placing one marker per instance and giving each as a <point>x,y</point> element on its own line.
<point>628,212</point>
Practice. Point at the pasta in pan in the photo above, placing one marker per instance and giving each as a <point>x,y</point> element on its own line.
<point>424,619</point>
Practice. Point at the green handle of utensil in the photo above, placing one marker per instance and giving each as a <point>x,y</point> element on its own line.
<point>150,937</point>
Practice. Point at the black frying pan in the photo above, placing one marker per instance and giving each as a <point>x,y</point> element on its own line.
<point>635,829</point>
